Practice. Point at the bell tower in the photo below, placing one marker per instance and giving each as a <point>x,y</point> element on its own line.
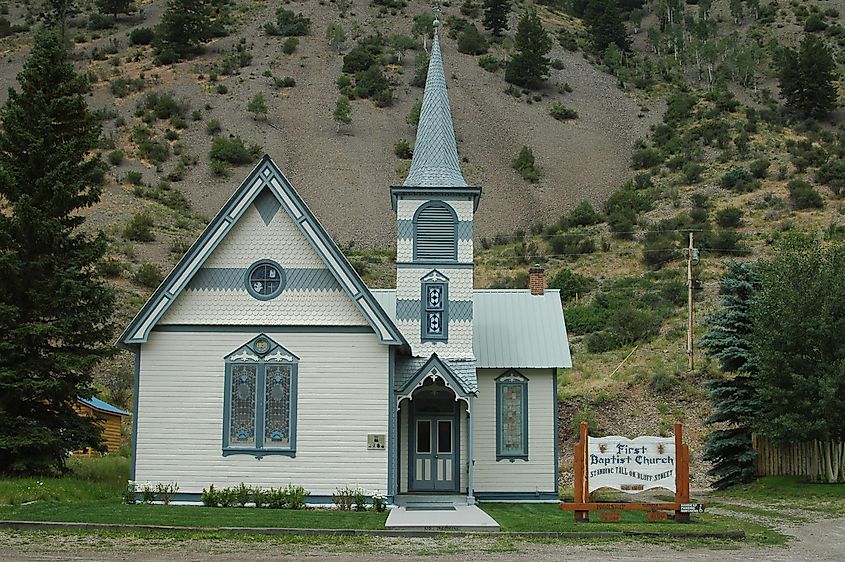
<point>434,250</point>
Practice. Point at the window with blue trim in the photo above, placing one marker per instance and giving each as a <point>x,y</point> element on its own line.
<point>511,416</point>
<point>260,399</point>
<point>435,320</point>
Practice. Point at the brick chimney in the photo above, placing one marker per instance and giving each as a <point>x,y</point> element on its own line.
<point>537,280</point>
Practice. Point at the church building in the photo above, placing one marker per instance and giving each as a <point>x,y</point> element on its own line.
<point>263,358</point>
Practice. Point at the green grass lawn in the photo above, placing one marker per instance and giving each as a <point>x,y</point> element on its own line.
<point>112,511</point>
<point>790,491</point>
<point>549,517</point>
<point>91,493</point>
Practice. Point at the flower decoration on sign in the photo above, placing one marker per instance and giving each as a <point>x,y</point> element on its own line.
<point>602,447</point>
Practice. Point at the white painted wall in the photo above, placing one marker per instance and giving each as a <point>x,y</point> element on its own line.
<point>537,474</point>
<point>342,396</point>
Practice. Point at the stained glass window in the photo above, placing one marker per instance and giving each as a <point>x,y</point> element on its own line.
<point>277,406</point>
<point>434,321</point>
<point>265,280</point>
<point>242,407</point>
<point>260,399</point>
<point>512,415</point>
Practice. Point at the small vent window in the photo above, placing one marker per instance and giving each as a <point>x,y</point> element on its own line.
<point>435,233</point>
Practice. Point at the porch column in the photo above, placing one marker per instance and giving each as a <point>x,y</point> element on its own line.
<point>470,457</point>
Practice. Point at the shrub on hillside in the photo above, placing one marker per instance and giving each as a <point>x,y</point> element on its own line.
<point>489,63</point>
<point>739,180</point>
<point>524,164</point>
<point>288,24</point>
<point>804,196</point>
<point>600,342</point>
<point>643,158</point>
<point>832,174</point>
<point>141,36</point>
<point>571,284</point>
<point>583,215</point>
<point>139,228</point>
<point>402,149</point>
<point>561,112</point>
<point>164,105</point>
<point>759,168</point>
<point>233,151</point>
<point>471,41</point>
<point>148,275</point>
<point>630,324</point>
<point>729,217</point>
<point>572,244</point>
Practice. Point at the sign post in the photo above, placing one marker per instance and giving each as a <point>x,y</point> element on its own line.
<point>631,466</point>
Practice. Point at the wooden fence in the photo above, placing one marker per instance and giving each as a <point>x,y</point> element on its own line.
<point>793,459</point>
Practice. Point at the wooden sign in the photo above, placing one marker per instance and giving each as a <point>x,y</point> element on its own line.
<point>630,465</point>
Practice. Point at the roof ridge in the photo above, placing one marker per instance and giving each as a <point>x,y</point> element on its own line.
<point>435,162</point>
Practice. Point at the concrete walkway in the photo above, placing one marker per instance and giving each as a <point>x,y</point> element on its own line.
<point>457,517</point>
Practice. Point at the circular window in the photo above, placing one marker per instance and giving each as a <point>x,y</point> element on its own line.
<point>265,280</point>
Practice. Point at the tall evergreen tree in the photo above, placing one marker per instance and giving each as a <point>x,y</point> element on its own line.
<point>605,25</point>
<point>185,26</point>
<point>54,311</point>
<point>56,13</point>
<point>496,14</point>
<point>807,79</point>
<point>733,397</point>
<point>529,66</point>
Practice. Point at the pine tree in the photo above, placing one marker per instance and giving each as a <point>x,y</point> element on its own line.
<point>733,398</point>
<point>185,26</point>
<point>807,79</point>
<point>529,67</point>
<point>342,112</point>
<point>605,26</point>
<point>54,312</point>
<point>114,7</point>
<point>496,14</point>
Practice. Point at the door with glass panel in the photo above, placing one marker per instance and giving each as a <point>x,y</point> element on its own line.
<point>434,456</point>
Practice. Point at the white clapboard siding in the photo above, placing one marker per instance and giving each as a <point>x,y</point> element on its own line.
<point>342,396</point>
<point>537,474</point>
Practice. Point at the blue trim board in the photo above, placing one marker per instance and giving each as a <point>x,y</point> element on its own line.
<point>545,497</point>
<point>265,175</point>
<point>232,279</point>
<point>454,193</point>
<point>392,434</point>
<point>405,229</point>
<point>409,309</point>
<point>445,264</point>
<point>133,461</point>
<point>248,328</point>
<point>456,446</point>
<point>557,431</point>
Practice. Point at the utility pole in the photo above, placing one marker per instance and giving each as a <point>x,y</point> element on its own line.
<point>691,307</point>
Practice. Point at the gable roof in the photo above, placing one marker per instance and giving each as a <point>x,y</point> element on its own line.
<point>266,175</point>
<point>435,161</point>
<point>511,328</point>
<point>412,371</point>
<point>102,406</point>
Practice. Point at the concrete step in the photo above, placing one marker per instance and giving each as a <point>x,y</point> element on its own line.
<point>460,517</point>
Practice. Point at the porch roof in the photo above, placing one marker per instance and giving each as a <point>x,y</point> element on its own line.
<point>463,370</point>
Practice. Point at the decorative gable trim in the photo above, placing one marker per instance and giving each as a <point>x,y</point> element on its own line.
<point>266,175</point>
<point>435,367</point>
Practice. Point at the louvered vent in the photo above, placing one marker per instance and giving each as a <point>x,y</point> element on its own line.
<point>435,235</point>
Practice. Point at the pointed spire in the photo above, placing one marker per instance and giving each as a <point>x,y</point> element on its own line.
<point>435,162</point>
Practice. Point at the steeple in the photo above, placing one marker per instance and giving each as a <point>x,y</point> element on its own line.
<point>435,162</point>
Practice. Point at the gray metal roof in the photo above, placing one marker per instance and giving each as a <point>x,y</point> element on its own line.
<point>511,328</point>
<point>435,162</point>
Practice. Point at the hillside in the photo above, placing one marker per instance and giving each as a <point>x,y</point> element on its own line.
<point>686,134</point>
